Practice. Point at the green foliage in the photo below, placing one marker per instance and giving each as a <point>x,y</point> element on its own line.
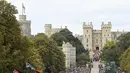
<point>110,67</point>
<point>82,59</point>
<point>18,57</point>
<point>124,41</point>
<point>31,54</point>
<point>110,44</point>
<point>15,50</point>
<point>110,52</point>
<point>50,53</point>
<point>10,38</point>
<point>82,56</point>
<point>125,61</point>
<point>123,44</point>
<point>66,35</point>
<point>113,51</point>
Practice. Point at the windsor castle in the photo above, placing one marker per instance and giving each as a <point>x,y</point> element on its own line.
<point>91,39</point>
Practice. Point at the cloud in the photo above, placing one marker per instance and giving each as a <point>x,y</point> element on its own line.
<point>74,12</point>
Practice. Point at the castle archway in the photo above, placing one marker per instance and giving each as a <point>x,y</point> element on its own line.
<point>96,55</point>
<point>97,48</point>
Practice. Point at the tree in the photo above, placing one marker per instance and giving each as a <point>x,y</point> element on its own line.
<point>10,36</point>
<point>14,48</point>
<point>31,55</point>
<point>51,54</point>
<point>82,55</point>
<point>125,61</point>
<point>82,59</point>
<point>124,41</point>
<point>27,53</point>
<point>67,36</point>
<point>110,52</point>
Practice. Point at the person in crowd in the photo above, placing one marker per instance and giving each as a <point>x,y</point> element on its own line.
<point>37,71</point>
<point>17,71</point>
<point>48,69</point>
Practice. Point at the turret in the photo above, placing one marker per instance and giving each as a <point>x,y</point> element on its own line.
<point>106,33</point>
<point>109,25</point>
<point>70,54</point>
<point>87,35</point>
<point>65,27</point>
<point>89,25</point>
<point>48,28</point>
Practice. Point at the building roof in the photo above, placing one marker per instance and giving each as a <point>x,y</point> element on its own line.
<point>97,31</point>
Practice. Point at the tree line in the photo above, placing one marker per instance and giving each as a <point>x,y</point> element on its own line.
<point>16,50</point>
<point>82,55</point>
<point>40,51</point>
<point>118,51</point>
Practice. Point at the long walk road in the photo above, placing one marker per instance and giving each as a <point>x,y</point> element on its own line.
<point>95,68</point>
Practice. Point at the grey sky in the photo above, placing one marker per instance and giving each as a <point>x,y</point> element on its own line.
<point>74,12</point>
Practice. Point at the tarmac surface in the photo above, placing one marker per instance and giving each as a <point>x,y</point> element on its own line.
<point>95,68</point>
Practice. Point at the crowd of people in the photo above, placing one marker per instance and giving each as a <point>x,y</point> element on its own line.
<point>47,70</point>
<point>18,71</point>
<point>78,70</point>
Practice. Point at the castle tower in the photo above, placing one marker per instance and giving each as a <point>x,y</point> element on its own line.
<point>25,25</point>
<point>87,35</point>
<point>48,29</point>
<point>106,33</point>
<point>70,54</point>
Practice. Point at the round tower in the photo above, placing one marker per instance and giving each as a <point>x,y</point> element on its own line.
<point>25,25</point>
<point>48,28</point>
<point>22,17</point>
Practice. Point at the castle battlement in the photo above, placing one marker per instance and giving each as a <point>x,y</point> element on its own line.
<point>91,38</point>
<point>109,25</point>
<point>22,17</point>
<point>48,25</point>
<point>89,25</point>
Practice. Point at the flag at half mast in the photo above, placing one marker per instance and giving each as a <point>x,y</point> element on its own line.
<point>23,8</point>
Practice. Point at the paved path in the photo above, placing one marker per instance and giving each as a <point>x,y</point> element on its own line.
<point>95,68</point>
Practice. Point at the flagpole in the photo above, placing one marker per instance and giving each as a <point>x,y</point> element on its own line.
<point>22,8</point>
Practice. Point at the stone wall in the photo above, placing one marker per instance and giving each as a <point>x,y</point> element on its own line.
<point>70,54</point>
<point>25,26</point>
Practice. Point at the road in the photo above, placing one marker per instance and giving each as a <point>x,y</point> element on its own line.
<point>95,68</point>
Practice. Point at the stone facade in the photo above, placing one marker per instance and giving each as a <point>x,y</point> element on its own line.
<point>91,39</point>
<point>70,54</point>
<point>25,25</point>
<point>49,30</point>
<point>96,39</point>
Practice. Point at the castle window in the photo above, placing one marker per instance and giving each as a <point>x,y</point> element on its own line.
<point>87,40</point>
<point>106,30</point>
<point>106,40</point>
<point>108,34</point>
<point>96,40</point>
<point>87,30</point>
<point>104,35</point>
